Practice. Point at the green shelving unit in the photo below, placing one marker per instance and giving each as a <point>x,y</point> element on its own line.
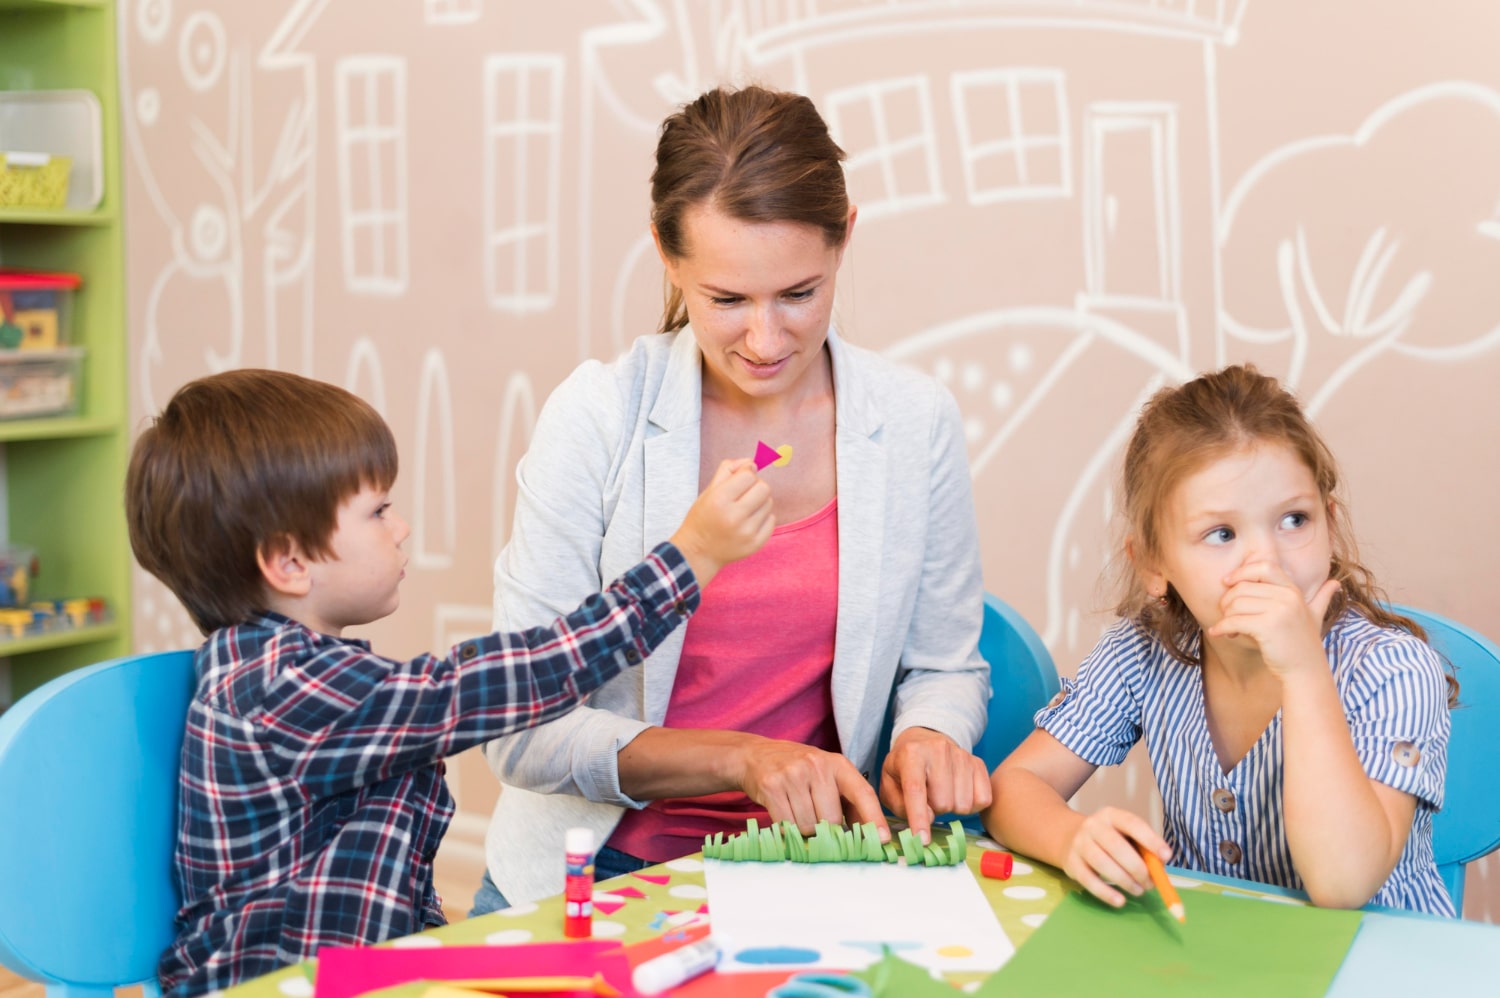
<point>64,476</point>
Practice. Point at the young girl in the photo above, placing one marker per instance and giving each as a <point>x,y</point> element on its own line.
<point>1298,731</point>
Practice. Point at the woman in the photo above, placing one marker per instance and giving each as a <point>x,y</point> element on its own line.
<point>867,597</point>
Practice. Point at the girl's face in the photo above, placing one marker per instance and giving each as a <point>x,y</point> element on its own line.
<point>759,296</point>
<point>1259,503</point>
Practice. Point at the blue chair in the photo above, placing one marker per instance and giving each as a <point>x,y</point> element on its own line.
<point>88,786</point>
<point>1022,675</point>
<point>1468,826</point>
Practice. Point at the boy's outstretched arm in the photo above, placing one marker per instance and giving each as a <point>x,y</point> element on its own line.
<point>327,710</point>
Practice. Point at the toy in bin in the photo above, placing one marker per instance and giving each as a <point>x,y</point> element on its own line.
<point>18,566</point>
<point>35,309</point>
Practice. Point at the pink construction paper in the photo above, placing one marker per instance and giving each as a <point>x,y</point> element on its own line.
<point>652,878</point>
<point>346,971</point>
<point>608,907</point>
<point>765,455</point>
<point>628,892</point>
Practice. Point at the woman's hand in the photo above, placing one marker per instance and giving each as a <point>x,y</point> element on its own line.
<point>927,774</point>
<point>1102,853</point>
<point>806,785</point>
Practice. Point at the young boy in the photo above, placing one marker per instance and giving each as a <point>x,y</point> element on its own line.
<point>312,792</point>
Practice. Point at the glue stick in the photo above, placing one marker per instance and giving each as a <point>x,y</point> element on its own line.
<point>578,890</point>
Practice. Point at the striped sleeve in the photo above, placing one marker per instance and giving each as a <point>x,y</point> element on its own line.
<point>1098,715</point>
<point>1396,704</point>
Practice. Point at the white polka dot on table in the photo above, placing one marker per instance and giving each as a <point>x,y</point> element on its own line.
<point>971,987</point>
<point>689,891</point>
<point>1035,919</point>
<point>608,897</point>
<point>516,910</point>
<point>296,987</point>
<point>988,844</point>
<point>1188,882</point>
<point>1020,869</point>
<point>416,942</point>
<point>608,930</point>
<point>508,937</point>
<point>1021,893</point>
<point>685,865</point>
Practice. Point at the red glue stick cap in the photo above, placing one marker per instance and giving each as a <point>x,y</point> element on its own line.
<point>996,865</point>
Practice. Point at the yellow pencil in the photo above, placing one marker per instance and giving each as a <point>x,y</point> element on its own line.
<point>1163,885</point>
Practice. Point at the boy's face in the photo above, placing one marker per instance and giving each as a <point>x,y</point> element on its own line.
<point>359,582</point>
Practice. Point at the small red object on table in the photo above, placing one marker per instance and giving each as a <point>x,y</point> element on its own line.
<point>996,865</point>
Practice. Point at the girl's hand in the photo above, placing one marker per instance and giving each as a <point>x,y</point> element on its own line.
<point>1263,604</point>
<point>806,785</point>
<point>1103,853</point>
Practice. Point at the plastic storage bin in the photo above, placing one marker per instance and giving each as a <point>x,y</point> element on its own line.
<point>58,123</point>
<point>36,309</point>
<point>40,382</point>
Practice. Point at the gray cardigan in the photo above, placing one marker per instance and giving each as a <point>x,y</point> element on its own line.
<point>611,471</point>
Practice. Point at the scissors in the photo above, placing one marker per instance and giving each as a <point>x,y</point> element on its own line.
<point>821,985</point>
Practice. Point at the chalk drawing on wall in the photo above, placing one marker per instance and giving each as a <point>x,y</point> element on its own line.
<point>370,97</point>
<point>434,528</point>
<point>523,107</point>
<point>1317,304</point>
<point>518,412</point>
<point>1013,133</point>
<point>453,12</point>
<point>886,129</point>
<point>239,220</point>
<point>363,376</point>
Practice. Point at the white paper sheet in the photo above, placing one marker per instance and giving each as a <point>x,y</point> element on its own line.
<point>839,915</point>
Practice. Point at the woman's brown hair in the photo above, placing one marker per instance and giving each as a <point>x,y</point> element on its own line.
<point>756,155</point>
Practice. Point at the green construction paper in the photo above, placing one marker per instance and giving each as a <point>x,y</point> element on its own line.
<point>780,841</point>
<point>893,977</point>
<point>1229,946</point>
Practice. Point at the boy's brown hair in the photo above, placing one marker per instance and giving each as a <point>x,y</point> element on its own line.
<point>244,462</point>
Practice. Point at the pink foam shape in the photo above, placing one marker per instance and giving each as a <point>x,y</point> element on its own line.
<point>765,455</point>
<point>659,879</point>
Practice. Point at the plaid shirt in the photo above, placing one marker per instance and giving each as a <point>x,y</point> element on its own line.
<point>312,792</point>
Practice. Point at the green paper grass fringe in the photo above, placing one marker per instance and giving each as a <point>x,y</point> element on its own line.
<point>860,843</point>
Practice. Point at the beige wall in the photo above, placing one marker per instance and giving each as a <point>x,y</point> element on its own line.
<point>442,205</point>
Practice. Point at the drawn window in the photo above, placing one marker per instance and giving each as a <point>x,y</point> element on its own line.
<point>886,129</point>
<point>522,160</point>
<point>371,98</point>
<point>1013,134</point>
<point>454,11</point>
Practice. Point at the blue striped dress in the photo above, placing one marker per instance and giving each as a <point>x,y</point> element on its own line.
<point>1231,824</point>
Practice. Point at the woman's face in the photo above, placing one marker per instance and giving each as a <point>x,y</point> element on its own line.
<point>759,296</point>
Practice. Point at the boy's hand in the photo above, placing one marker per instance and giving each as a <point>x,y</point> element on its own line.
<point>731,519</point>
<point>1101,854</point>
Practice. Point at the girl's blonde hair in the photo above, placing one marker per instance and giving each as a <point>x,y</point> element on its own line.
<point>1183,429</point>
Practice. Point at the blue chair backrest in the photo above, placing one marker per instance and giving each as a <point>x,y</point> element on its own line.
<point>1468,826</point>
<point>88,784</point>
<point>1021,674</point>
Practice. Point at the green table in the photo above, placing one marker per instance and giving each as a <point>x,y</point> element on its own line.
<point>1022,903</point>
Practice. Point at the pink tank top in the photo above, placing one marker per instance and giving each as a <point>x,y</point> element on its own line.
<point>757,657</point>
